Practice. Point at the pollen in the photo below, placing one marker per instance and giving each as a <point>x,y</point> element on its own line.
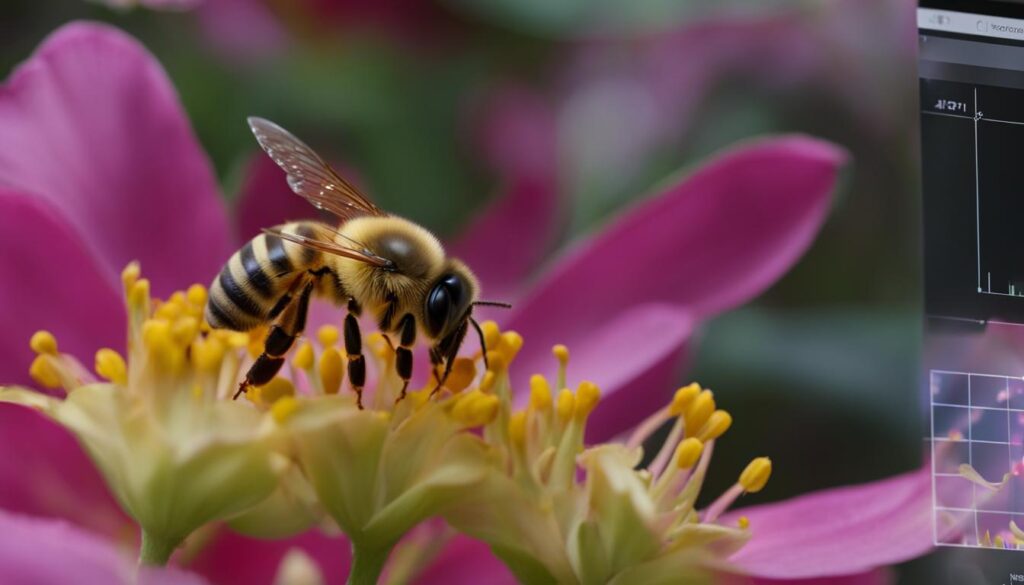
<point>688,453</point>
<point>304,356</point>
<point>42,371</point>
<point>743,522</point>
<point>331,368</point>
<point>43,342</point>
<point>756,474</point>
<point>682,399</point>
<point>540,393</point>
<point>566,404</point>
<point>715,427</point>
<point>462,375</point>
<point>110,365</point>
<point>284,408</point>
<point>699,411</point>
<point>587,396</point>
<point>328,335</point>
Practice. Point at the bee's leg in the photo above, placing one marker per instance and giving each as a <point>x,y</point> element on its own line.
<point>403,354</point>
<point>448,349</point>
<point>354,350</point>
<point>279,340</point>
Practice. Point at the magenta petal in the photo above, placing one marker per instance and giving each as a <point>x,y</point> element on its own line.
<point>265,199</point>
<point>518,137</point>
<point>632,357</point>
<point>235,559</point>
<point>93,126</point>
<point>466,562</point>
<point>35,551</point>
<point>708,243</point>
<point>840,531</point>
<point>875,577</point>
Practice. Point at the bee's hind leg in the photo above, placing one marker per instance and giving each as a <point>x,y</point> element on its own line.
<point>403,353</point>
<point>279,340</point>
<point>354,351</point>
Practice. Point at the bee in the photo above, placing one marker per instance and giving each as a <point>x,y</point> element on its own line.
<point>373,260</point>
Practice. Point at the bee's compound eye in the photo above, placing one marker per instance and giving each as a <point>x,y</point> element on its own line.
<point>448,294</point>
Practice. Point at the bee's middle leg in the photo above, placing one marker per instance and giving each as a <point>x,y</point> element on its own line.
<point>403,353</point>
<point>279,340</point>
<point>354,351</point>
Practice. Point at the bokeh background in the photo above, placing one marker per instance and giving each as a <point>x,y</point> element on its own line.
<point>821,372</point>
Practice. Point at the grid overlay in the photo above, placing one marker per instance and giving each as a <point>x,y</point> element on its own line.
<point>977,419</point>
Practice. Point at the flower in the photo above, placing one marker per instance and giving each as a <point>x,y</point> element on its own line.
<point>173,447</point>
<point>148,192</point>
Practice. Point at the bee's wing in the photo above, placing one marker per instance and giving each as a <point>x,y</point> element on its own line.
<point>322,242</point>
<point>309,175</point>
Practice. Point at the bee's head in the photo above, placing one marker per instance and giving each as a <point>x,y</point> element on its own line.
<point>450,300</point>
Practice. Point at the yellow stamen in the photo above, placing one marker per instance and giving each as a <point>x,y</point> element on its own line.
<point>540,393</point>
<point>156,334</point>
<point>565,405</point>
<point>561,353</point>
<point>488,380</point>
<point>207,353</point>
<point>999,543</point>
<point>130,274</point>
<point>517,428</point>
<point>682,399</point>
<point>743,522</point>
<point>43,342</point>
<point>304,356</point>
<point>276,389</point>
<point>331,368</point>
<point>475,408</point>
<point>185,330</point>
<point>492,335</point>
<point>42,371</point>
<point>755,476</point>
<point>110,365</point>
<point>284,408</point>
<point>138,296</point>
<point>237,339</point>
<point>328,335</point>
<point>715,427</point>
<point>496,361</point>
<point>688,453</point>
<point>587,396</point>
<point>509,346</point>
<point>462,375</point>
<point>196,295</point>
<point>698,412</point>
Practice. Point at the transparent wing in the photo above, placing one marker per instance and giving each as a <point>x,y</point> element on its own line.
<point>309,175</point>
<point>322,242</point>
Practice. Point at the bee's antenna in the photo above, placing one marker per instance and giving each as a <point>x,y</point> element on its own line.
<point>483,344</point>
<point>493,304</point>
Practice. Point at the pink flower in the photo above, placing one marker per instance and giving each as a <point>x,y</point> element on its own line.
<point>98,166</point>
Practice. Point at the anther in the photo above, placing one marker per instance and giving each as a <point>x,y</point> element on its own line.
<point>328,335</point>
<point>561,353</point>
<point>331,370</point>
<point>276,389</point>
<point>743,522</point>
<point>540,393</point>
<point>110,365</point>
<point>565,405</point>
<point>492,335</point>
<point>715,427</point>
<point>682,399</point>
<point>688,453</point>
<point>756,475</point>
<point>509,346</point>
<point>43,342</point>
<point>196,295</point>
<point>304,356</point>
<point>462,375</point>
<point>208,353</point>
<point>698,412</point>
<point>587,396</point>
<point>284,408</point>
<point>42,371</point>
<point>130,274</point>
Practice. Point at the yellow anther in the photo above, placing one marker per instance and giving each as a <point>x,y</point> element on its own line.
<point>715,427</point>
<point>284,408</point>
<point>42,371</point>
<point>130,274</point>
<point>110,365</point>
<point>998,542</point>
<point>168,311</point>
<point>517,427</point>
<point>254,394</point>
<point>378,345</point>
<point>587,395</point>
<point>756,475</point>
<point>237,339</point>
<point>196,295</point>
<point>475,408</point>
<point>509,346</point>
<point>138,296</point>
<point>304,356</point>
<point>156,334</point>
<point>207,353</point>
<point>257,339</point>
<point>487,381</point>
<point>698,412</point>
<point>492,335</point>
<point>185,330</point>
<point>43,342</point>
<point>743,522</point>
<point>276,389</point>
<point>328,335</point>
<point>688,452</point>
<point>462,375</point>
<point>540,393</point>
<point>331,368</point>
<point>177,298</point>
<point>566,404</point>
<point>561,353</point>
<point>496,361</point>
<point>682,399</point>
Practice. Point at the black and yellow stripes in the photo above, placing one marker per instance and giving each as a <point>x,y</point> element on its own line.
<point>255,283</point>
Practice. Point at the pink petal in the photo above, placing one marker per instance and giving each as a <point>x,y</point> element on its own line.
<point>506,243</point>
<point>42,468</point>
<point>93,126</point>
<point>842,531</point>
<point>265,199</point>
<point>466,562</point>
<point>875,577</point>
<point>235,559</point>
<point>35,551</point>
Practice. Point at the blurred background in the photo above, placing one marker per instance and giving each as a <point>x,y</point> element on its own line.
<point>821,372</point>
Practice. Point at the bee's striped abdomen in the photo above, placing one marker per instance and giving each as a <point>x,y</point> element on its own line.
<point>254,284</point>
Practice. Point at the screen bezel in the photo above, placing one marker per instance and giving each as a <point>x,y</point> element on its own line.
<point>986,7</point>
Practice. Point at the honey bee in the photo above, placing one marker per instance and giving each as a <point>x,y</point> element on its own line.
<point>373,260</point>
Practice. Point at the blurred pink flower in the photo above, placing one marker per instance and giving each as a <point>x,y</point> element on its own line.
<point>98,166</point>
